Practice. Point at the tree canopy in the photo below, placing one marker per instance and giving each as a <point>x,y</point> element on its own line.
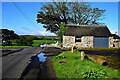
<point>8,34</point>
<point>53,14</point>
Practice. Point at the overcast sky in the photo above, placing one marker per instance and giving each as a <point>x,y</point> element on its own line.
<point>21,17</point>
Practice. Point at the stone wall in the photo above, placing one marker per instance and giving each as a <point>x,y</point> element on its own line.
<point>68,41</point>
<point>86,42</point>
<point>110,42</point>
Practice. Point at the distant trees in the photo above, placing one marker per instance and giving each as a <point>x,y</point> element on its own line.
<point>36,38</point>
<point>24,41</point>
<point>53,14</point>
<point>7,36</point>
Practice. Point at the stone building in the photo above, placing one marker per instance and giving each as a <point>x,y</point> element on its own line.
<point>116,40</point>
<point>87,36</point>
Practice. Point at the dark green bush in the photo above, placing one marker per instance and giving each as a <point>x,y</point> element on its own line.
<point>24,41</point>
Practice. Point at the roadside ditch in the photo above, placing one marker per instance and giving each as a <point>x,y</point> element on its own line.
<point>109,58</point>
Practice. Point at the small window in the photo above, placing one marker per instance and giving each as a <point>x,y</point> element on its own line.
<point>77,39</point>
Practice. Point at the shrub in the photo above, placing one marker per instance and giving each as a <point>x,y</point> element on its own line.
<point>60,57</point>
<point>93,73</point>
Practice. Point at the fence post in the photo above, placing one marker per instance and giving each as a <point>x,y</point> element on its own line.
<point>72,49</point>
<point>82,55</point>
<point>73,45</point>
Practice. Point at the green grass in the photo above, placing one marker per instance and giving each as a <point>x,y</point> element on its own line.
<point>37,42</point>
<point>75,68</point>
<point>14,46</point>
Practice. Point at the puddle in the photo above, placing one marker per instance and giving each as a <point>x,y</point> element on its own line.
<point>36,66</point>
<point>41,57</point>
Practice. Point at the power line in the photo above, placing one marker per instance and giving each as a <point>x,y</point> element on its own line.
<point>22,12</point>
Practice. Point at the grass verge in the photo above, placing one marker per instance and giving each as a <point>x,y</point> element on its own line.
<point>69,65</point>
<point>14,46</point>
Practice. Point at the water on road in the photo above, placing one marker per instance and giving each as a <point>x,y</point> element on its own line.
<point>41,57</point>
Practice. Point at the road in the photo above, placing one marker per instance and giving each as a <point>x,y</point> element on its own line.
<point>14,64</point>
<point>7,51</point>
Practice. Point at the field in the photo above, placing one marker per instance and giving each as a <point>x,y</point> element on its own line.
<point>37,42</point>
<point>69,65</point>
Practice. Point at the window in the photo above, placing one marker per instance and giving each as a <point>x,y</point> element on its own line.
<point>77,39</point>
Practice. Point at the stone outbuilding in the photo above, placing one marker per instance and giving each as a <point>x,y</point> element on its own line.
<point>116,40</point>
<point>87,36</point>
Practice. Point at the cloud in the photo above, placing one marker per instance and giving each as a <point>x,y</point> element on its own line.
<point>46,33</point>
<point>26,32</point>
<point>40,33</point>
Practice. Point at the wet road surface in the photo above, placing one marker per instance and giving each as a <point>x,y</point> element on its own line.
<point>14,64</point>
<point>39,69</point>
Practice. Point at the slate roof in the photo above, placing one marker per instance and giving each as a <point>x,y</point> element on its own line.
<point>87,30</point>
<point>115,36</point>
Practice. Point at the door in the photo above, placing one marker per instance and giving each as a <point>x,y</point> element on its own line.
<point>101,42</point>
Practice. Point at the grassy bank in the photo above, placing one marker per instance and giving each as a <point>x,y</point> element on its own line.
<point>14,46</point>
<point>37,42</point>
<point>69,65</point>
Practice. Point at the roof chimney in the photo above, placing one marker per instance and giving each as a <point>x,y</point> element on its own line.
<point>116,32</point>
